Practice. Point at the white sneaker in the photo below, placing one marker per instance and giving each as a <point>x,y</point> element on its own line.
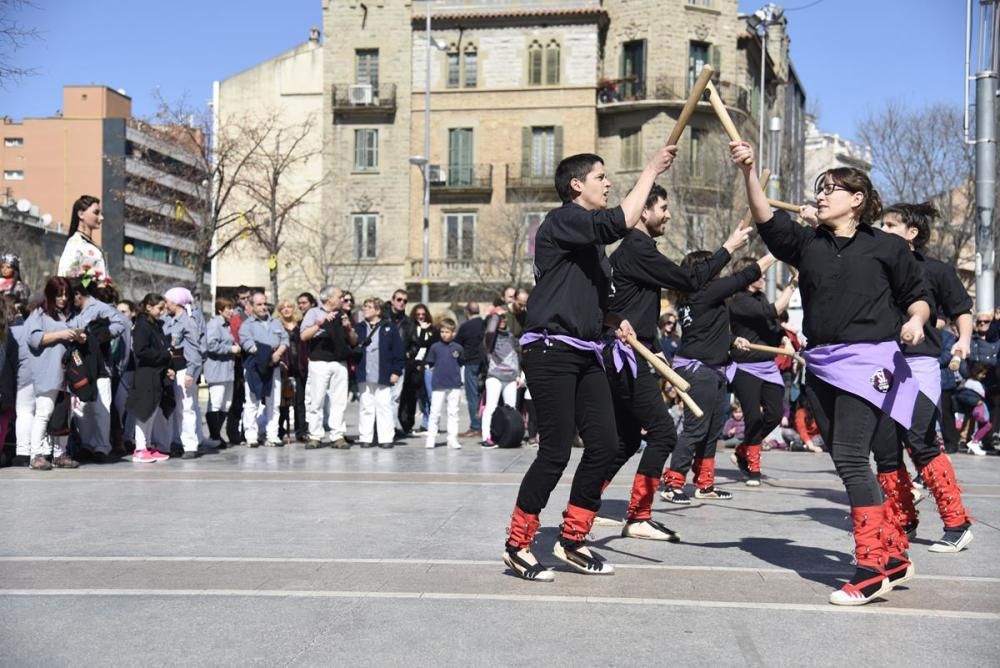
<point>581,559</point>
<point>954,540</point>
<point>430,445</point>
<point>454,445</point>
<point>975,448</point>
<point>649,530</point>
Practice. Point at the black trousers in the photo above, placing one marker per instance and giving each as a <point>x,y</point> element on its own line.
<point>413,381</point>
<point>571,395</point>
<point>761,402</point>
<point>300,406</point>
<point>699,434</point>
<point>949,432</point>
<point>639,405</point>
<point>919,438</point>
<point>854,428</point>
<point>234,429</point>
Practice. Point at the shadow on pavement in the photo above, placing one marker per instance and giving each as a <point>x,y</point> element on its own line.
<point>807,561</point>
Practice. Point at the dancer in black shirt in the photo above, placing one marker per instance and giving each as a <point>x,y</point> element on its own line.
<point>561,352</point>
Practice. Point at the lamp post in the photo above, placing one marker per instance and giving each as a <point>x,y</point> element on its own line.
<point>423,163</point>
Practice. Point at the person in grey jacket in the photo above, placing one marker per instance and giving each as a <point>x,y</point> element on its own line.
<point>25,401</point>
<point>221,355</point>
<point>185,335</point>
<point>48,334</point>
<point>94,417</point>
<point>260,329</point>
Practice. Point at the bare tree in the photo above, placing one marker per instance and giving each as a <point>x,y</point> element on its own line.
<point>326,255</point>
<point>272,185</point>
<point>503,253</point>
<point>13,36</point>
<point>921,155</point>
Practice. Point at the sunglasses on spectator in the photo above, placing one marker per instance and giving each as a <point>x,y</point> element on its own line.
<point>400,301</point>
<point>983,322</point>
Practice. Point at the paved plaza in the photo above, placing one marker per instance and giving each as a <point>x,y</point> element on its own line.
<point>392,557</point>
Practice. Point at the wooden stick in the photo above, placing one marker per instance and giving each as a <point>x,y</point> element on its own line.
<point>720,110</point>
<point>704,79</point>
<point>756,347</point>
<point>778,204</point>
<point>765,177</point>
<point>661,367</point>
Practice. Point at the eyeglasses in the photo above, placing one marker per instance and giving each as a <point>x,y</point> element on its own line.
<point>828,188</point>
<point>983,322</point>
<point>347,299</point>
<point>400,301</point>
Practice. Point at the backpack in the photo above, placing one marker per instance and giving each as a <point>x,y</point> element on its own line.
<point>507,428</point>
<point>81,373</point>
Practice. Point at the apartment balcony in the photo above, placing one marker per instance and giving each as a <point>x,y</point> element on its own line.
<point>471,271</point>
<point>365,101</point>
<point>466,183</point>
<point>531,187</point>
<point>633,93</point>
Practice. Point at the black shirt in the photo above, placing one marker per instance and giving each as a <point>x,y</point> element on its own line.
<point>755,319</point>
<point>849,293</point>
<point>946,297</point>
<point>704,318</point>
<point>572,272</point>
<point>333,346</point>
<point>640,271</point>
<point>470,337</point>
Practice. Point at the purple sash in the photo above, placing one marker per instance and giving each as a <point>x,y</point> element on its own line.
<point>622,353</point>
<point>727,371</point>
<point>767,371</point>
<point>927,371</point>
<point>597,347</point>
<point>875,372</point>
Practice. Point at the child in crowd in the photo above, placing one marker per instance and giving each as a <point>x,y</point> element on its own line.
<point>971,399</point>
<point>808,430</point>
<point>445,359</point>
<point>733,429</point>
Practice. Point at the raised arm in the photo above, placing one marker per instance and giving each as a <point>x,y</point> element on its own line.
<point>635,201</point>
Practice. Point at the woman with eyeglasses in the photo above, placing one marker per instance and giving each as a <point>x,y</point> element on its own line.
<point>854,279</point>
<point>418,375</point>
<point>669,339</point>
<point>347,306</point>
<point>913,223</point>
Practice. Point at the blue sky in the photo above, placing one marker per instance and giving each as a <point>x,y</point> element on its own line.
<point>852,55</point>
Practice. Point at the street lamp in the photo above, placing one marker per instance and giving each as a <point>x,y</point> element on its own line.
<point>423,163</point>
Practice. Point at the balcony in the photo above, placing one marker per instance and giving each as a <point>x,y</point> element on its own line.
<point>530,186</point>
<point>364,100</point>
<point>631,93</point>
<point>470,272</point>
<point>461,183</point>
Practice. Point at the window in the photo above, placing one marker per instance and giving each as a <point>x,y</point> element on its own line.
<point>552,63</point>
<point>13,174</point>
<point>365,246</point>
<point>366,150</point>
<point>460,167</point>
<point>700,3</point>
<point>469,69</point>
<point>697,148</point>
<point>631,148</point>
<point>543,64</point>
<point>532,220</point>
<point>541,151</point>
<point>367,67</point>
<point>697,58</point>
<point>634,70</point>
<point>460,236</point>
<point>13,141</point>
<point>454,73</point>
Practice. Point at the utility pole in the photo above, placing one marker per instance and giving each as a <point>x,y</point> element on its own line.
<point>986,143</point>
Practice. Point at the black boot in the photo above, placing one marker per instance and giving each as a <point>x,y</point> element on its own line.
<point>234,430</point>
<point>215,420</point>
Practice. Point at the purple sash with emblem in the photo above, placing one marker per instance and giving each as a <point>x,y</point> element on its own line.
<point>726,371</point>
<point>927,371</point>
<point>875,372</point>
<point>767,371</point>
<point>597,347</point>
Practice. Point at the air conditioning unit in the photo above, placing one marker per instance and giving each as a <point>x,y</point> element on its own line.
<point>360,94</point>
<point>437,174</point>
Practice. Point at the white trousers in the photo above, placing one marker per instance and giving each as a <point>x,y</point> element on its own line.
<point>220,396</point>
<point>259,414</point>
<point>495,388</point>
<point>375,412</point>
<point>41,443</point>
<point>144,430</point>
<point>94,419</point>
<point>25,417</point>
<point>326,382</point>
<point>439,397</point>
<point>185,416</point>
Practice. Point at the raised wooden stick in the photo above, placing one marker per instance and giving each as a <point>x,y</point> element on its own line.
<point>661,366</point>
<point>747,218</point>
<point>720,110</point>
<point>704,79</point>
<point>778,204</point>
<point>756,347</point>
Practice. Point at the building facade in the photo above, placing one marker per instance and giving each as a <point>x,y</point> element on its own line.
<point>142,177</point>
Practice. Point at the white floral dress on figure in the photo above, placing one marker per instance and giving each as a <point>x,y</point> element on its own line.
<point>82,257</point>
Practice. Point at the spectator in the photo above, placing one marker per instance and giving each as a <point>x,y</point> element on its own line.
<point>732,430</point>
<point>985,351</point>
<point>264,342</point>
<point>120,350</point>
<point>949,384</point>
<point>185,338</point>
<point>417,380</point>
<point>126,374</point>
<point>470,337</point>
<point>972,399</point>
<point>222,354</point>
<point>330,335</point>
<point>669,340</point>
<point>25,402</point>
<point>8,368</point>
<point>289,419</point>
<point>49,333</point>
<point>806,427</point>
<point>444,360</point>
<point>10,279</point>
<point>82,256</point>
<point>504,367</point>
<point>380,368</point>
<point>305,301</point>
<point>153,397</point>
<point>234,419</point>
<point>348,307</point>
<point>395,313</point>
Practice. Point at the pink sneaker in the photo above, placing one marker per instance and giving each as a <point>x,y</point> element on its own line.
<point>148,456</point>
<point>159,456</point>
